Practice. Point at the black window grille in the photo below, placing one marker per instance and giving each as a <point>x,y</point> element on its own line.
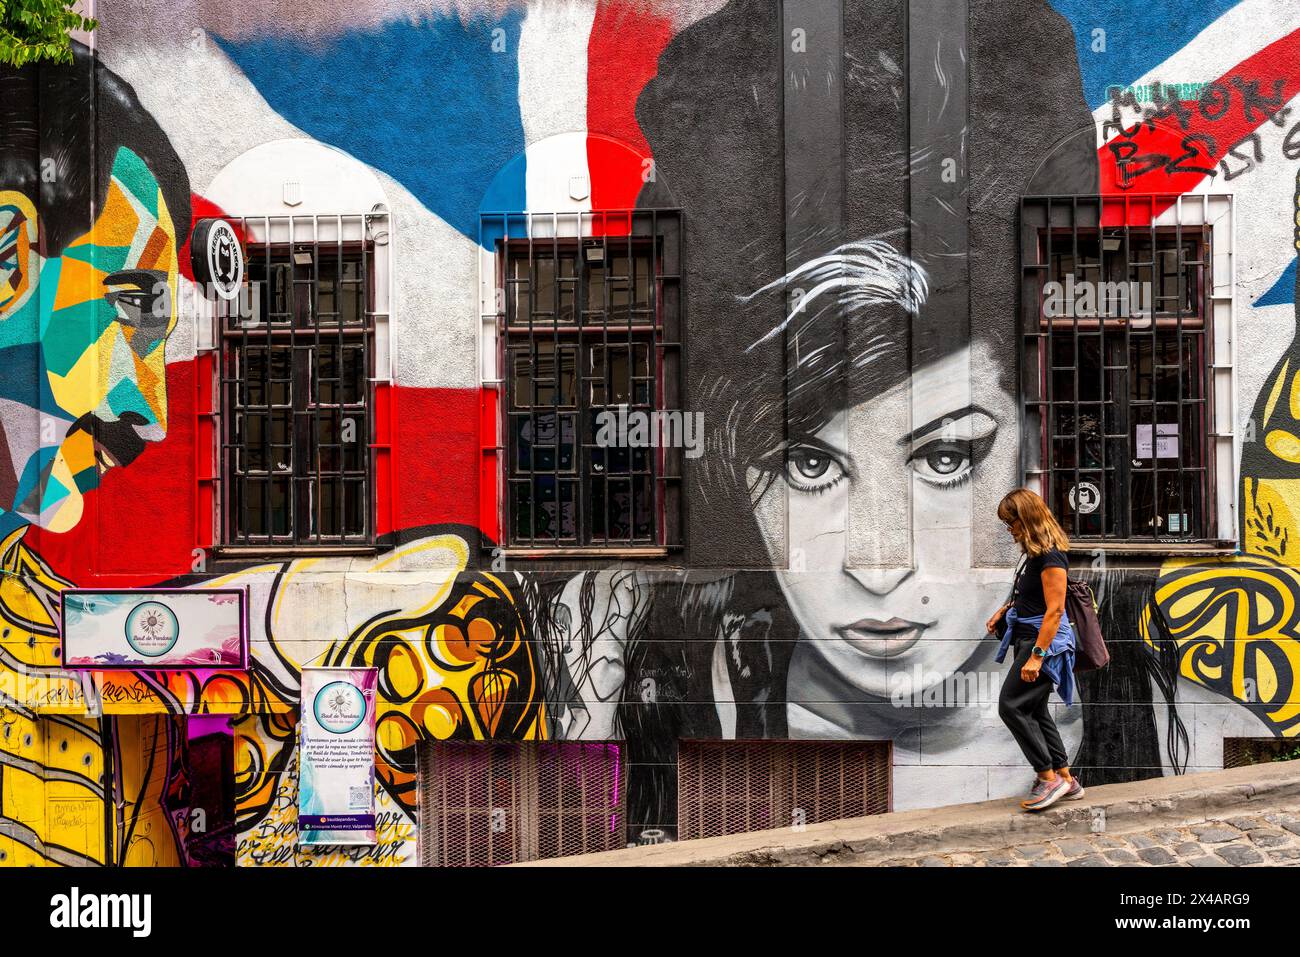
<point>589,332</point>
<point>296,388</point>
<point>1117,368</point>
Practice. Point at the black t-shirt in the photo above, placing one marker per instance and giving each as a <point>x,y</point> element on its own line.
<point>1029,589</point>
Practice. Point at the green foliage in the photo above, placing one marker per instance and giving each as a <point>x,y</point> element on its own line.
<point>36,30</point>
<point>1288,755</point>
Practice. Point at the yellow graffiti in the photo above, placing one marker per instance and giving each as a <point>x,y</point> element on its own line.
<point>459,666</point>
<point>1235,624</point>
<point>1234,621</point>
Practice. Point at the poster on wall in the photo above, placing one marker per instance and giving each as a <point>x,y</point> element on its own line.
<point>172,628</point>
<point>336,756</point>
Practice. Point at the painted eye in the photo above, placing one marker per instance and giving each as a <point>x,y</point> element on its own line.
<point>812,470</point>
<point>943,463</point>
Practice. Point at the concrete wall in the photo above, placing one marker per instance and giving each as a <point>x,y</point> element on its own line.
<point>877,129</point>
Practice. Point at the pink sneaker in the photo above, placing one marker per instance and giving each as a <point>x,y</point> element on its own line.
<point>1045,794</point>
<point>1076,791</point>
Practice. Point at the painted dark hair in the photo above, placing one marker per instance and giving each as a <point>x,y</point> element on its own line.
<point>1121,741</point>
<point>713,117</point>
<point>61,126</point>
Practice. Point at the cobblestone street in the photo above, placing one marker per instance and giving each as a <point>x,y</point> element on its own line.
<point>1265,839</point>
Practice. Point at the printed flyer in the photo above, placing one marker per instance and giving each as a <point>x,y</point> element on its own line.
<point>336,756</point>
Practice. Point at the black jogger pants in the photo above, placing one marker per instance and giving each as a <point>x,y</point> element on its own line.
<point>1024,710</point>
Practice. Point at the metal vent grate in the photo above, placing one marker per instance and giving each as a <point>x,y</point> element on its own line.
<point>484,804</point>
<point>1242,752</point>
<point>730,787</point>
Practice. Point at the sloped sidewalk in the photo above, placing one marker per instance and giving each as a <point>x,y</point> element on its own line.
<point>959,834</point>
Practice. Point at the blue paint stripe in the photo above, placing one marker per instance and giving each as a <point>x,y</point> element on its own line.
<point>434,104</point>
<point>1139,37</point>
<point>507,195</point>
<point>1282,291</point>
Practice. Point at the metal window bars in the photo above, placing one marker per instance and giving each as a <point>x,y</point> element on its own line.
<point>587,322</point>
<point>297,373</point>
<point>1117,361</point>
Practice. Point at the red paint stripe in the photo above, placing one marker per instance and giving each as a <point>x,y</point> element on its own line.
<point>1152,147</point>
<point>489,490</point>
<point>143,523</point>
<point>623,52</point>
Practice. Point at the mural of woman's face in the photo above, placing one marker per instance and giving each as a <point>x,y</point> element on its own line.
<point>91,325</point>
<point>870,624</point>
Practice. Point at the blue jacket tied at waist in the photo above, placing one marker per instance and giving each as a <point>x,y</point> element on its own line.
<point>1059,662</point>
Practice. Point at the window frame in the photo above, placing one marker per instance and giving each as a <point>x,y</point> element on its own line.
<point>1204,222</point>
<point>233,341</point>
<point>516,236</point>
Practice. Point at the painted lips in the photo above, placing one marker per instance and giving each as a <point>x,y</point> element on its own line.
<point>882,639</point>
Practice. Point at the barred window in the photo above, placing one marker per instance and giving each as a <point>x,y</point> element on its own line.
<point>590,356</point>
<point>296,397</point>
<point>1119,368</point>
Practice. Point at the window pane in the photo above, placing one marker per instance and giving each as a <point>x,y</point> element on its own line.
<point>544,376</point>
<point>337,508</point>
<point>267,507</point>
<point>553,288</point>
<point>622,508</point>
<point>340,442</point>
<point>622,374</point>
<point>297,400</point>
<point>339,383</point>
<point>544,442</point>
<point>543,509</point>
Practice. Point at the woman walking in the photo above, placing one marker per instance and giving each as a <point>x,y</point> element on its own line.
<point>1043,641</point>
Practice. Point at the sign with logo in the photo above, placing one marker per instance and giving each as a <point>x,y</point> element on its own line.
<point>336,756</point>
<point>172,628</point>
<point>217,258</point>
<point>1085,497</point>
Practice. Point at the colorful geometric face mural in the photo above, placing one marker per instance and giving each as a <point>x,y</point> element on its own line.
<point>95,321</point>
<point>815,413</point>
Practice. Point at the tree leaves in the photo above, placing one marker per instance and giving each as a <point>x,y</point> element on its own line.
<point>32,31</point>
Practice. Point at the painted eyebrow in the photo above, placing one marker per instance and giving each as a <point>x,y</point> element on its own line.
<point>936,424</point>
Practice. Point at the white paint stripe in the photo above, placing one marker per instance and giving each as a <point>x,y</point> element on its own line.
<point>1237,35</point>
<point>1264,196</point>
<point>553,100</point>
<point>434,338</point>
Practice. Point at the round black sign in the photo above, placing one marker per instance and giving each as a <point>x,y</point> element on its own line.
<point>217,258</point>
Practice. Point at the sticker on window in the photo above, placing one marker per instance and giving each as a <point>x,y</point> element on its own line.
<point>1166,441</point>
<point>1085,497</point>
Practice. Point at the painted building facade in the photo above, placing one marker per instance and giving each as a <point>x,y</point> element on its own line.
<point>620,376</point>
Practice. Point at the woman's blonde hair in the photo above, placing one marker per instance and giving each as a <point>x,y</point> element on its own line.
<point>1039,530</point>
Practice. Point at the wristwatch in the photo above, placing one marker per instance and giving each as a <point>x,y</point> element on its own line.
<point>1040,652</point>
